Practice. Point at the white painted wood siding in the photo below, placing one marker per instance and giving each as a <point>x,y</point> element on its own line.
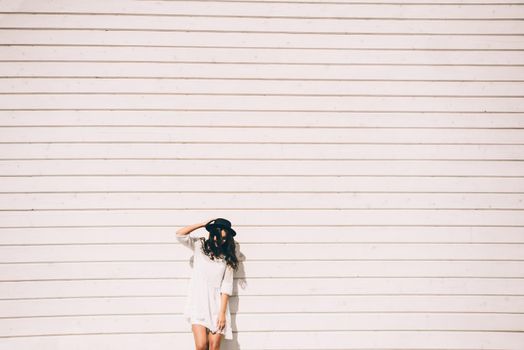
<point>369,154</point>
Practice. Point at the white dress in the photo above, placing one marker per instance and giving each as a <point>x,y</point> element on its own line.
<point>208,280</point>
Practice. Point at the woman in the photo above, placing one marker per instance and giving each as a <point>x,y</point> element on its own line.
<point>211,285</point>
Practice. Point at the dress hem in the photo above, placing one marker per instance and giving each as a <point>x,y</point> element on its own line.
<point>203,323</point>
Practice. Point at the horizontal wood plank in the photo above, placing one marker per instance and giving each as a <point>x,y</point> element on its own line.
<point>274,119</point>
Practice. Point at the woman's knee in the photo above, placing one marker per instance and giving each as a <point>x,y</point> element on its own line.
<point>214,342</point>
<point>201,345</point>
<point>214,345</point>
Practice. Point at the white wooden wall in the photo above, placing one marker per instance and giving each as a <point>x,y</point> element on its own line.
<point>370,156</point>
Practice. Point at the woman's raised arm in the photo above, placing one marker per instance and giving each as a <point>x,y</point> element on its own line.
<point>183,237</point>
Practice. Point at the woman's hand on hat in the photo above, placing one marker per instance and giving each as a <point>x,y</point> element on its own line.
<point>204,223</point>
<point>207,222</point>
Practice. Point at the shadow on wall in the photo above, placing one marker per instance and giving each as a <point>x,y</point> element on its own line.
<point>238,282</point>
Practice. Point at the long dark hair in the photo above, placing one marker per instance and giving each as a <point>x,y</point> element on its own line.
<point>223,248</point>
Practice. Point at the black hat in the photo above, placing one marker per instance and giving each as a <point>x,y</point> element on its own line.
<point>220,223</point>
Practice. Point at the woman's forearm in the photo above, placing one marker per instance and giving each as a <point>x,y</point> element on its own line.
<point>223,303</point>
<point>187,229</point>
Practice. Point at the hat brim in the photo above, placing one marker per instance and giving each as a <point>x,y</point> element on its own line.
<point>211,226</point>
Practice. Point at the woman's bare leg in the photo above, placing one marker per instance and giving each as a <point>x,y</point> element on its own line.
<point>200,335</point>
<point>214,340</point>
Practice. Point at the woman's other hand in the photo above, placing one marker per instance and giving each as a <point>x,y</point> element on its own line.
<point>221,321</point>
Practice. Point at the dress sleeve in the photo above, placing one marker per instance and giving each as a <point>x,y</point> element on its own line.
<point>187,240</point>
<point>227,281</point>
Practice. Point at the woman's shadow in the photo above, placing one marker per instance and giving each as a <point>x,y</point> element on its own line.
<point>239,282</point>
